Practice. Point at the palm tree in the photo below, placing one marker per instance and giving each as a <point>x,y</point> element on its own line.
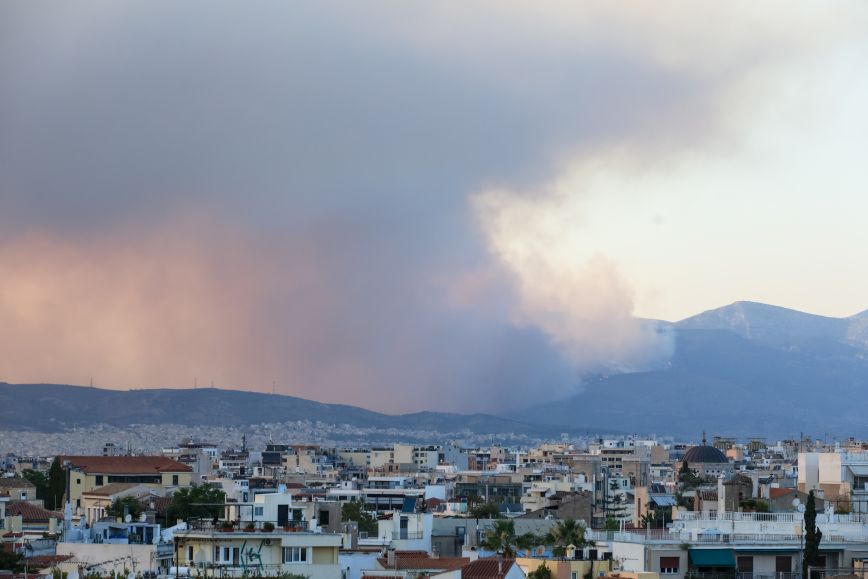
<point>567,532</point>
<point>501,537</point>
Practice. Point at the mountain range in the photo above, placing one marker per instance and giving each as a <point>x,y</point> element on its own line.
<point>746,369</point>
<point>56,407</point>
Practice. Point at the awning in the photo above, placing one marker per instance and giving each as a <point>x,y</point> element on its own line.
<point>663,500</point>
<point>712,557</point>
<point>858,470</point>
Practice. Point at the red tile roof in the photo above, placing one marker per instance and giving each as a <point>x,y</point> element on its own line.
<point>111,489</point>
<point>15,482</point>
<point>487,568</point>
<point>46,561</point>
<point>30,513</point>
<point>417,560</point>
<point>125,464</point>
<point>775,493</point>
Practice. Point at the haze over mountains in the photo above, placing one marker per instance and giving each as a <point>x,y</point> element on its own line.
<point>55,407</point>
<point>741,370</point>
<point>746,369</point>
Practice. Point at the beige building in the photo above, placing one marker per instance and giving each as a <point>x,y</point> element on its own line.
<point>88,473</point>
<point>565,568</point>
<point>239,553</point>
<point>96,502</point>
<point>18,488</point>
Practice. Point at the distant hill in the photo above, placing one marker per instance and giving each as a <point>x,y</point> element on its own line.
<point>53,407</point>
<point>746,369</point>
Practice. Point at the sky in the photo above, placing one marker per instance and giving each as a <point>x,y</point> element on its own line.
<point>405,206</point>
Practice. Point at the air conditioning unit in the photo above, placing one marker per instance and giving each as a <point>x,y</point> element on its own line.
<point>267,542</point>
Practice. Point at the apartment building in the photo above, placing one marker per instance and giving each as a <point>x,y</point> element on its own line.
<point>87,473</point>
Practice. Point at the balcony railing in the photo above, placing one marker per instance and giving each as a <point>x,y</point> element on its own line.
<point>207,525</point>
<point>407,535</point>
<point>655,536</point>
<point>238,570</point>
<point>795,518</point>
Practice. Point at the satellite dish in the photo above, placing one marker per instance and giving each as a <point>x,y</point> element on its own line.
<point>143,517</point>
<point>128,518</point>
<point>801,508</point>
<point>796,502</point>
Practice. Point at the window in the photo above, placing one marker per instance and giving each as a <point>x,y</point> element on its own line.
<point>230,555</point>
<point>189,553</point>
<point>745,564</point>
<point>669,565</point>
<point>783,564</point>
<point>574,575</point>
<point>99,482</point>
<point>78,481</point>
<point>324,518</point>
<point>295,555</point>
<point>258,511</point>
<point>174,480</point>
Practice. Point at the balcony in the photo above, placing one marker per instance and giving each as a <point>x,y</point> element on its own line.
<point>210,526</point>
<point>405,535</point>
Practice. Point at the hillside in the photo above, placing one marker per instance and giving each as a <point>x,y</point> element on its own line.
<point>53,407</point>
<point>743,370</point>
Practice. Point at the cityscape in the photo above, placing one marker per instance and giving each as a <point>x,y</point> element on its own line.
<point>475,289</point>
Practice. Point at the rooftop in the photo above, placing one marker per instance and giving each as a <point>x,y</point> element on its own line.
<point>30,513</point>
<point>125,464</point>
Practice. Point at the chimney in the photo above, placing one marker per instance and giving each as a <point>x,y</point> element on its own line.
<point>391,560</point>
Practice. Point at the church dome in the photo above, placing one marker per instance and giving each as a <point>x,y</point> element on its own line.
<point>704,454</point>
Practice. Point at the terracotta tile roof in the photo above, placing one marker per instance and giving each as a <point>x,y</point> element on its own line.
<point>30,513</point>
<point>111,489</point>
<point>486,568</point>
<point>417,560</point>
<point>776,493</point>
<point>125,464</point>
<point>46,561</point>
<point>161,504</point>
<point>15,482</point>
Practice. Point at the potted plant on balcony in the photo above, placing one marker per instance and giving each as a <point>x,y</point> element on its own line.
<point>250,527</point>
<point>227,526</point>
<point>268,527</point>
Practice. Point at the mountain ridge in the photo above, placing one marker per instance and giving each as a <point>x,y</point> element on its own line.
<point>744,369</point>
<point>55,407</point>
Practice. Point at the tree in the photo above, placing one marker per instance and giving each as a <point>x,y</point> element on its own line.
<point>565,533</point>
<point>198,501</point>
<point>501,537</point>
<point>56,491</point>
<point>354,511</point>
<point>687,477</point>
<point>487,510</point>
<point>656,518</point>
<point>541,572</point>
<point>125,506</point>
<point>10,561</point>
<point>40,481</point>
<point>813,536</point>
<point>616,508</point>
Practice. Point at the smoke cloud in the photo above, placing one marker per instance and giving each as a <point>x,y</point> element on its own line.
<point>577,297</point>
<point>359,203</point>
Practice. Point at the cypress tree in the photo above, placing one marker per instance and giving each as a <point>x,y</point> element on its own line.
<point>56,486</point>
<point>813,536</point>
